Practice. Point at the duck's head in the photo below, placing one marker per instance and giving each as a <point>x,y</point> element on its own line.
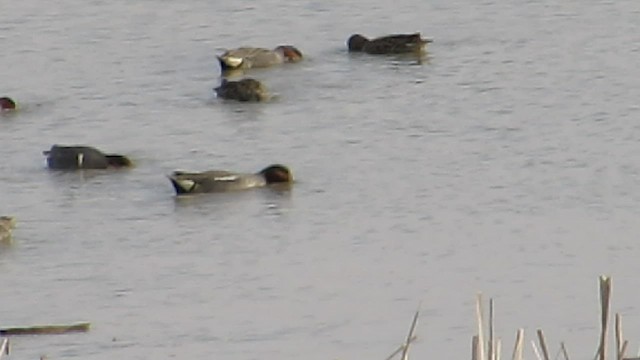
<point>290,53</point>
<point>118,161</point>
<point>356,42</point>
<point>7,103</point>
<point>277,174</point>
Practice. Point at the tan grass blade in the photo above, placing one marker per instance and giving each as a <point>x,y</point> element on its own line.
<point>517,348</point>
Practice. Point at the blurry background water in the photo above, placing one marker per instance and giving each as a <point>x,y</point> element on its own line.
<point>506,163</point>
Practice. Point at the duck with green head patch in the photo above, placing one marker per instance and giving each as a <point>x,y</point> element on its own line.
<point>222,181</point>
<point>78,157</point>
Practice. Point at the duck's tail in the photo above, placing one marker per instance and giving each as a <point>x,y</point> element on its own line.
<point>181,185</point>
<point>118,161</point>
<point>417,37</point>
<point>229,63</point>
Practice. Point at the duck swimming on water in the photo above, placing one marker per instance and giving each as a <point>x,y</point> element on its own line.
<point>222,181</point>
<point>253,57</point>
<point>83,157</point>
<point>389,44</point>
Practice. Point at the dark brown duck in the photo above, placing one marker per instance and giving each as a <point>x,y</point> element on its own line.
<point>83,157</point>
<point>390,44</point>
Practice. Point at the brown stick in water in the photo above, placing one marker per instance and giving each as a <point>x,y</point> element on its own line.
<point>45,329</point>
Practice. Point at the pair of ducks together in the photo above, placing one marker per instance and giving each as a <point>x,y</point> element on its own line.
<point>86,157</point>
<point>247,57</point>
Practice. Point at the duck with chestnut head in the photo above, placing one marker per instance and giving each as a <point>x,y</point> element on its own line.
<point>7,103</point>
<point>253,57</point>
<point>213,181</point>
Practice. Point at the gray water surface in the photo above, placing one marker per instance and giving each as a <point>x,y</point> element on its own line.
<point>506,162</point>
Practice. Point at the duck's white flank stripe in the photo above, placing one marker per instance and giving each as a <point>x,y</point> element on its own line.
<point>226,178</point>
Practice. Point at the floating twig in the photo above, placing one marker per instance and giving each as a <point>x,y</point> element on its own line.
<point>45,329</point>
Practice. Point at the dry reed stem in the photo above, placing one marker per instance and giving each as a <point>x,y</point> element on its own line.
<point>564,351</point>
<point>475,355</point>
<point>405,351</point>
<point>480,321</point>
<point>517,348</point>
<point>619,338</point>
<point>605,295</point>
<point>543,344</point>
<point>623,350</point>
<point>399,349</point>
<point>4,348</point>
<point>535,350</point>
<point>491,351</point>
